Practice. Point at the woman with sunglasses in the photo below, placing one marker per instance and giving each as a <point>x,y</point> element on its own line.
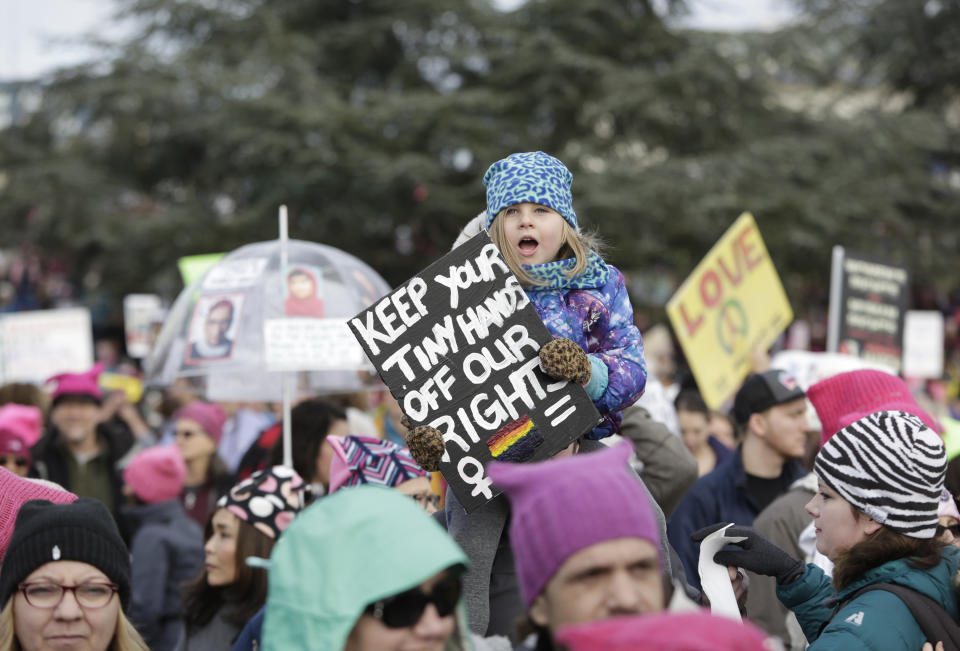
<point>65,581</point>
<point>198,428</point>
<point>366,569</point>
<point>20,428</point>
<point>247,522</point>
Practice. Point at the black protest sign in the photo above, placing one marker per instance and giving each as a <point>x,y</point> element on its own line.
<point>457,345</point>
<point>868,302</point>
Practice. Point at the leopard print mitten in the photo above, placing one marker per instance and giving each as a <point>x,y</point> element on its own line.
<point>426,447</point>
<point>563,359</point>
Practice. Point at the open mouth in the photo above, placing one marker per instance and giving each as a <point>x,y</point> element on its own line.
<point>527,246</point>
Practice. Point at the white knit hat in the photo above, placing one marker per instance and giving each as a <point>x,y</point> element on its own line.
<point>890,466</point>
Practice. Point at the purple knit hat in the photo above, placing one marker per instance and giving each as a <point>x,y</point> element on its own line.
<point>564,505</point>
<point>207,415</point>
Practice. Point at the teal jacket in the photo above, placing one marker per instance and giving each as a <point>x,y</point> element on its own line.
<point>343,552</point>
<point>876,620</point>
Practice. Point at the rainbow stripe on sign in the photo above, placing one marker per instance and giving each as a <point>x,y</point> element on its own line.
<point>515,442</point>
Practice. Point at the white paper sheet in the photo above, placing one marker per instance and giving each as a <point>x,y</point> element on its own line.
<point>714,578</point>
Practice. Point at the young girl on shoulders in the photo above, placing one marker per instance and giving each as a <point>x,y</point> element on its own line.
<point>581,299</point>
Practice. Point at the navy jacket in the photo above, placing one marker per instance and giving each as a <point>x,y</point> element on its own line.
<point>719,496</point>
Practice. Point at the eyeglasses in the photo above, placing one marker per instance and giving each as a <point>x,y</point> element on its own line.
<point>406,609</point>
<point>425,500</point>
<point>953,528</point>
<point>20,462</point>
<point>49,595</point>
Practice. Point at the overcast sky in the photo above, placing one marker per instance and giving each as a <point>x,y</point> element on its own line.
<point>32,32</point>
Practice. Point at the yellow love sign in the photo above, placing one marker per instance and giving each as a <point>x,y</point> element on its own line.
<point>732,304</point>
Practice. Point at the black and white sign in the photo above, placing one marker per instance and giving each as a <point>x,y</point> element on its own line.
<point>868,301</point>
<point>457,346</point>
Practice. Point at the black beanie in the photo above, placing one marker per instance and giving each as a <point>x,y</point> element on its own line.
<point>82,531</point>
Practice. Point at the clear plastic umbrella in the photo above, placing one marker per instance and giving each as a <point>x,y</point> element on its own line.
<point>216,331</point>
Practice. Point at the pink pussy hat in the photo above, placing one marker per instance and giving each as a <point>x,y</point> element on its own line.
<point>20,428</point>
<point>698,631</point>
<point>847,397</point>
<point>15,491</point>
<point>156,474</point>
<point>564,505</point>
<point>78,384</point>
<point>207,415</point>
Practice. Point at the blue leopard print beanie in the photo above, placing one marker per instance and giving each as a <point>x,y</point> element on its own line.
<point>532,177</point>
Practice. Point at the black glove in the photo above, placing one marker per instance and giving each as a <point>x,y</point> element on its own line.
<point>758,554</point>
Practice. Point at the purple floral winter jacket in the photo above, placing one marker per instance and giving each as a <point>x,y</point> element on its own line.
<point>600,320</point>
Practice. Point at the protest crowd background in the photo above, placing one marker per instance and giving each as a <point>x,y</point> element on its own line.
<point>470,325</point>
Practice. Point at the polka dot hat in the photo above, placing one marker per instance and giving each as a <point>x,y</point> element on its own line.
<point>268,499</point>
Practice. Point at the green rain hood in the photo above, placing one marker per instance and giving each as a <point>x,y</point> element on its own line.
<point>345,551</point>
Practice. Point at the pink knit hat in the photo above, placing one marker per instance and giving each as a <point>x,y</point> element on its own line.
<point>156,474</point>
<point>564,505</point>
<point>207,415</point>
<point>848,397</point>
<point>697,631</point>
<point>78,384</point>
<point>20,427</point>
<point>366,460</point>
<point>15,491</point>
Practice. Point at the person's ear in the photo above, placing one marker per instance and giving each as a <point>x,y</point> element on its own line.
<point>758,424</point>
<point>869,525</point>
<point>538,611</point>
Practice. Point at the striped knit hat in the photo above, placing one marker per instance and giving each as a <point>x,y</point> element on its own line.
<point>366,460</point>
<point>890,466</point>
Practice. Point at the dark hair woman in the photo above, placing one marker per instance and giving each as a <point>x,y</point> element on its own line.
<point>247,522</point>
<point>875,515</point>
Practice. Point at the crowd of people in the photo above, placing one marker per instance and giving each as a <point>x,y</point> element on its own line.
<point>190,533</point>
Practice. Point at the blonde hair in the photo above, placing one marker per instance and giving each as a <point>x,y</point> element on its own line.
<point>125,636</point>
<point>575,244</point>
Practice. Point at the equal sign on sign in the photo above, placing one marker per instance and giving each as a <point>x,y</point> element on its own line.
<point>552,409</point>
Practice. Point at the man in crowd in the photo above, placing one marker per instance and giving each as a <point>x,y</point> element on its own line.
<point>77,452</point>
<point>771,410</point>
<point>585,541</point>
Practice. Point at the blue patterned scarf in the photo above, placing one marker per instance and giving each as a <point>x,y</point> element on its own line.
<point>554,274</point>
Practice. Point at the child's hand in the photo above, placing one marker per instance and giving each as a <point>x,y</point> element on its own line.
<point>563,359</point>
<point>426,447</point>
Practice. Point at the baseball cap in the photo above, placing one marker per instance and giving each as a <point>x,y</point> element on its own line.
<point>761,391</point>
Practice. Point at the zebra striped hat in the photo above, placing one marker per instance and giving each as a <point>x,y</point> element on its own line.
<point>890,466</point>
